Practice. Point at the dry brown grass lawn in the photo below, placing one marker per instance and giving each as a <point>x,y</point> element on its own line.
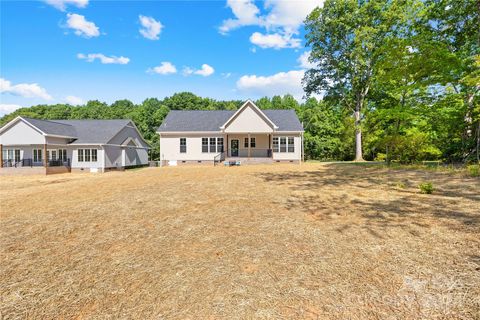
<point>313,241</point>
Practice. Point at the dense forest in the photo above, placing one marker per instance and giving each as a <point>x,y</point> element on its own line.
<point>399,81</point>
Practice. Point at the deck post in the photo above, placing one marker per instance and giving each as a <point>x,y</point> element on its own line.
<point>270,145</point>
<point>1,155</point>
<point>249,146</point>
<point>45,155</point>
<point>225,143</point>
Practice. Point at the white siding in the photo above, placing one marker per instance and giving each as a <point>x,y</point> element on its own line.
<point>248,121</point>
<point>170,147</point>
<point>297,155</point>
<point>90,164</point>
<point>57,141</point>
<point>21,133</point>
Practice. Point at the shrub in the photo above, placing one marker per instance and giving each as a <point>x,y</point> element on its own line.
<point>474,170</point>
<point>426,188</point>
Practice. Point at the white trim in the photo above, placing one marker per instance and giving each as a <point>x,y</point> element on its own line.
<point>223,127</point>
<point>127,125</point>
<point>11,123</point>
<point>127,141</point>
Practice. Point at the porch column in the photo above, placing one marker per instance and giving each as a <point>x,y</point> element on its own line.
<point>1,155</point>
<point>269,151</point>
<point>226,144</point>
<point>249,145</point>
<point>45,160</point>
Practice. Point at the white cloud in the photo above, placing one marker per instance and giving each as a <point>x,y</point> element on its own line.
<point>103,58</point>
<point>27,90</point>
<point>245,12</point>
<point>282,20</point>
<point>205,70</point>
<point>62,4</point>
<point>303,61</point>
<point>81,26</point>
<point>164,68</point>
<point>151,27</point>
<point>8,108</point>
<point>75,101</point>
<point>274,40</point>
<point>289,15</point>
<point>278,84</point>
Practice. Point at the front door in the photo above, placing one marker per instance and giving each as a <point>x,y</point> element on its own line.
<point>234,147</point>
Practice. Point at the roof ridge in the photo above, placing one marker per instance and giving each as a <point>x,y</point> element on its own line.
<point>45,120</point>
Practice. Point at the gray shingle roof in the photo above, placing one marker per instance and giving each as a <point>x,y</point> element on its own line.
<point>84,131</point>
<point>286,120</point>
<point>194,120</point>
<point>197,121</point>
<point>53,127</point>
<point>95,131</point>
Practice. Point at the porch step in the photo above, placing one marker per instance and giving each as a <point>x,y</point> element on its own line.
<point>250,160</point>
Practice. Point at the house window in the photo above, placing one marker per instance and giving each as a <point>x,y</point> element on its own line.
<point>62,154</point>
<point>275,144</point>
<point>219,144</point>
<point>283,144</point>
<point>80,155</point>
<point>183,145</point>
<point>94,155</point>
<point>252,143</point>
<point>213,145</point>
<point>87,155</point>
<point>291,144</point>
<point>37,155</point>
<point>17,155</point>
<point>245,144</point>
<point>53,155</point>
<point>204,144</point>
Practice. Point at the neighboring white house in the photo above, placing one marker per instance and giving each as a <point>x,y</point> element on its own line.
<point>53,146</point>
<point>248,135</point>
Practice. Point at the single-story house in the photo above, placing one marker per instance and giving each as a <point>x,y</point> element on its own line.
<point>248,135</point>
<point>52,146</point>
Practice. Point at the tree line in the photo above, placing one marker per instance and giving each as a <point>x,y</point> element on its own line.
<point>399,81</point>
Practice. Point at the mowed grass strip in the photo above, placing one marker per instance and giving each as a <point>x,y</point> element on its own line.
<point>311,241</point>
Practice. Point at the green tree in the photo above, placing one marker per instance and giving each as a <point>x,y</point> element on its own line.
<point>347,40</point>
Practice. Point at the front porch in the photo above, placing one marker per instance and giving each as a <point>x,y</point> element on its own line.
<point>248,146</point>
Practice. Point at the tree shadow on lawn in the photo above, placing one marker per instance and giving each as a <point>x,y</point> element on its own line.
<point>340,190</point>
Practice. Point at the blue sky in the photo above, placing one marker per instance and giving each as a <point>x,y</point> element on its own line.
<point>72,51</point>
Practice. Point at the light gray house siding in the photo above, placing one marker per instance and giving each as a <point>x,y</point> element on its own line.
<point>248,134</point>
<point>127,132</point>
<point>87,145</point>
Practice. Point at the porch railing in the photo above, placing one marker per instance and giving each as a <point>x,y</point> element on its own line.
<point>219,158</point>
<point>30,163</point>
<point>254,153</point>
<point>59,163</point>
